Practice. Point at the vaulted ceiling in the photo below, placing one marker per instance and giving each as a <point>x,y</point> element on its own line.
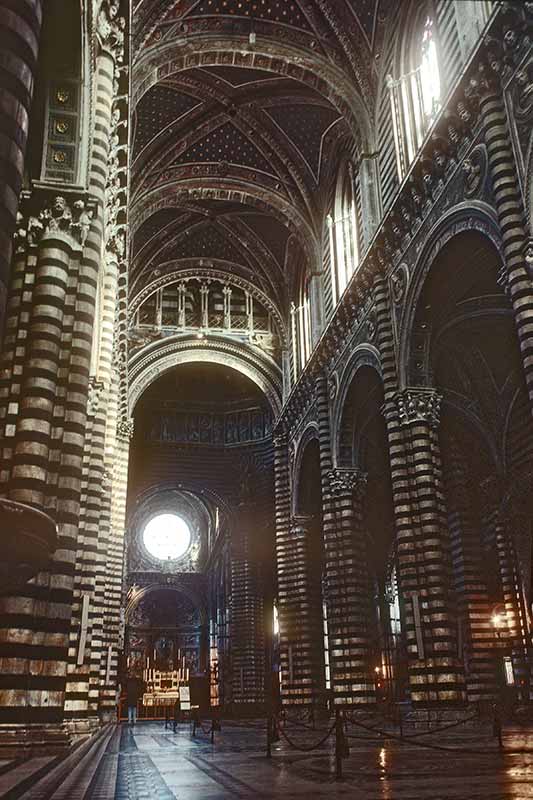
<point>240,110</point>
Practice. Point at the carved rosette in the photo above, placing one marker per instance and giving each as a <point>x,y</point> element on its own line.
<point>419,405</point>
<point>347,482</point>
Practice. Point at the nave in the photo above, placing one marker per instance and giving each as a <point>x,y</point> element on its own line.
<point>149,762</point>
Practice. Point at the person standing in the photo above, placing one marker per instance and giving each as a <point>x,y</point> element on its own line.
<point>132,692</point>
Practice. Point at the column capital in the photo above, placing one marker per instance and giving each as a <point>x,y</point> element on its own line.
<point>418,404</point>
<point>62,216</point>
<point>110,28</point>
<point>343,480</point>
<point>94,396</point>
<point>125,428</point>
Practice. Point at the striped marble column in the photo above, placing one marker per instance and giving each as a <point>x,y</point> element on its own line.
<point>43,470</point>
<point>89,649</point>
<point>348,590</point>
<point>509,206</point>
<point>20,29</point>
<point>283,514</point>
<point>299,608</point>
<point>470,587</point>
<point>513,633</point>
<point>247,614</point>
<point>421,536</point>
<point>424,562</point>
<point>301,618</point>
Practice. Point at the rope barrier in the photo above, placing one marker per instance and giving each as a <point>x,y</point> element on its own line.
<point>305,749</point>
<point>405,740</point>
<point>302,725</point>
<point>423,733</point>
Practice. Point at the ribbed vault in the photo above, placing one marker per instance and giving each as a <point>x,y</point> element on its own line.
<point>239,112</point>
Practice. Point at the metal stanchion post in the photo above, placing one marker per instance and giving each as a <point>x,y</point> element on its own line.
<point>269,736</point>
<point>338,744</point>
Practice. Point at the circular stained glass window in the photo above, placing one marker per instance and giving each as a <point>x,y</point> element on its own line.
<point>167,536</point>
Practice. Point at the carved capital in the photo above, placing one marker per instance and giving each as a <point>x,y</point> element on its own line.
<point>347,481</point>
<point>280,441</point>
<point>419,405</point>
<point>110,28</point>
<point>59,217</point>
<point>95,393</point>
<point>125,428</point>
<point>64,218</point>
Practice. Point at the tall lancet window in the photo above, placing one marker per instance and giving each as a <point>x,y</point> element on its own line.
<point>415,94</point>
<point>343,234</point>
<point>301,327</point>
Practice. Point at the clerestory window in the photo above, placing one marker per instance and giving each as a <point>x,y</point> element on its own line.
<point>415,94</point>
<point>343,232</point>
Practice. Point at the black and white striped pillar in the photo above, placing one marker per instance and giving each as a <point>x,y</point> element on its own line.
<point>20,29</point>
<point>348,590</point>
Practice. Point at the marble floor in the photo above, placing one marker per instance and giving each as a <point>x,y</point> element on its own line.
<point>150,762</point>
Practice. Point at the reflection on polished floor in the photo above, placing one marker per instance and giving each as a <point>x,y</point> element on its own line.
<point>150,762</point>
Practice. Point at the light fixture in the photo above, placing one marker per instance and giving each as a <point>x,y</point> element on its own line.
<point>498,619</point>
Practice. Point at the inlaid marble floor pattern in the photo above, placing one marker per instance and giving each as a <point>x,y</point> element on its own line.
<point>148,763</point>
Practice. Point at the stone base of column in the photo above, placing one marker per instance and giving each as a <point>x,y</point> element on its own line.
<point>427,718</point>
<point>27,741</point>
<point>85,727</point>
<point>354,695</point>
<point>29,537</point>
<point>246,708</point>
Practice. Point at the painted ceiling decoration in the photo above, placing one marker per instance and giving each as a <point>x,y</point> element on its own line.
<point>241,108</point>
